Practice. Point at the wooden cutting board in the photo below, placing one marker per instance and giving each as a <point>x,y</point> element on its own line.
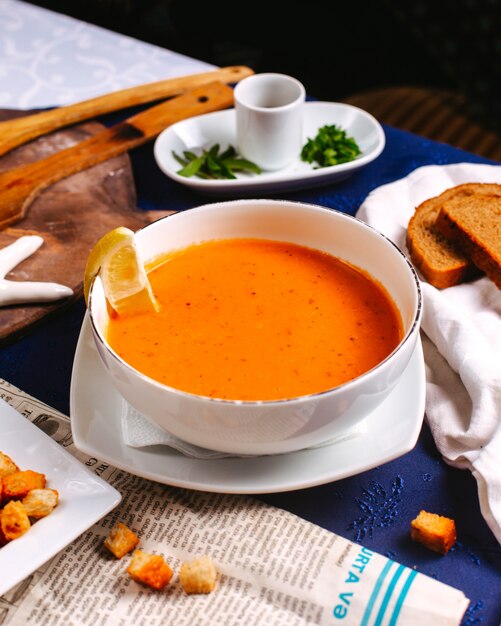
<point>71,216</point>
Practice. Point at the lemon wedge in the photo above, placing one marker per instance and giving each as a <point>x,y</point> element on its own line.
<point>125,282</point>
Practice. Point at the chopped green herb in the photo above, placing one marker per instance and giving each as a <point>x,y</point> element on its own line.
<point>331,146</point>
<point>212,164</point>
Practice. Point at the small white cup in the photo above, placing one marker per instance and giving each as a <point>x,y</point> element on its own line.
<point>269,117</point>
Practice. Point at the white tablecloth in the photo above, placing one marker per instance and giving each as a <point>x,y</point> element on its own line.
<point>49,59</point>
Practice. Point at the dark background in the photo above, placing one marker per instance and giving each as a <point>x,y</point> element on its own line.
<point>335,48</point>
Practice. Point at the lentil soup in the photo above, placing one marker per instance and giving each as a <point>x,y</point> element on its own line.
<point>256,319</point>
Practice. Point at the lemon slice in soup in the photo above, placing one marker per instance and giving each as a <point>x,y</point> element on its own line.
<point>125,282</point>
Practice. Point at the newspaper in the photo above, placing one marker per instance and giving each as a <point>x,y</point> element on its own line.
<point>274,568</point>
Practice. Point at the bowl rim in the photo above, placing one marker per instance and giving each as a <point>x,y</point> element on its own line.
<point>354,382</point>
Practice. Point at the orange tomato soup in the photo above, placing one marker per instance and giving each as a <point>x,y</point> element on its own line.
<point>252,319</point>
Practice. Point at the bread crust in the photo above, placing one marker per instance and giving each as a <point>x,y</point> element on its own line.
<point>121,540</point>
<point>18,484</point>
<point>442,259</point>
<point>149,569</point>
<point>434,531</point>
<point>198,576</point>
<point>441,264</point>
<point>14,520</point>
<point>480,241</point>
<point>39,503</point>
<point>23,499</point>
<point>7,465</point>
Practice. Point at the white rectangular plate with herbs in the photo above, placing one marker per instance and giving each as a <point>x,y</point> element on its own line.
<point>204,131</point>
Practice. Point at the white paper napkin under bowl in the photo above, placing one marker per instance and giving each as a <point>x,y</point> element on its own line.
<point>462,346</point>
<point>138,432</point>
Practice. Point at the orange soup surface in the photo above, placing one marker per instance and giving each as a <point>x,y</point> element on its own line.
<point>252,319</point>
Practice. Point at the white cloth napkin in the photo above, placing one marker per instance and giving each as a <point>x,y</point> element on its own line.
<point>462,346</point>
<point>138,432</point>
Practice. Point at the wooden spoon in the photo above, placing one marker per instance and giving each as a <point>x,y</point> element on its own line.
<point>18,131</point>
<point>21,185</point>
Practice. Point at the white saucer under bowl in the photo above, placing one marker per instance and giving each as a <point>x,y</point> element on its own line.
<point>389,432</point>
<point>204,131</point>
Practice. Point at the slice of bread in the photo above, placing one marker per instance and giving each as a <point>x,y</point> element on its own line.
<point>441,261</point>
<point>473,224</point>
<point>434,531</point>
<point>441,264</point>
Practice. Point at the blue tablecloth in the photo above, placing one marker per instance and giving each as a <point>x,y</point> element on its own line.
<point>374,508</point>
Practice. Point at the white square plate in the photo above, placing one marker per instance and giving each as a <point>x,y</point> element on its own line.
<point>84,498</point>
<point>96,406</point>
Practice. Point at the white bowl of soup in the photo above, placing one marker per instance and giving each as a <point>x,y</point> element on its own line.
<point>280,326</point>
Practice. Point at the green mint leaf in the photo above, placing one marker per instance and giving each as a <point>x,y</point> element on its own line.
<point>192,168</point>
<point>241,165</point>
<point>179,159</point>
<point>212,165</point>
<point>225,170</point>
<point>229,152</point>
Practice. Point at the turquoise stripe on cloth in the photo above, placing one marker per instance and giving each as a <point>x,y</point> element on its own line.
<point>401,598</point>
<point>375,593</point>
<point>388,594</point>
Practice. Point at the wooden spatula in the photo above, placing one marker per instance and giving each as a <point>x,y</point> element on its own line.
<point>21,185</point>
<point>18,131</point>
